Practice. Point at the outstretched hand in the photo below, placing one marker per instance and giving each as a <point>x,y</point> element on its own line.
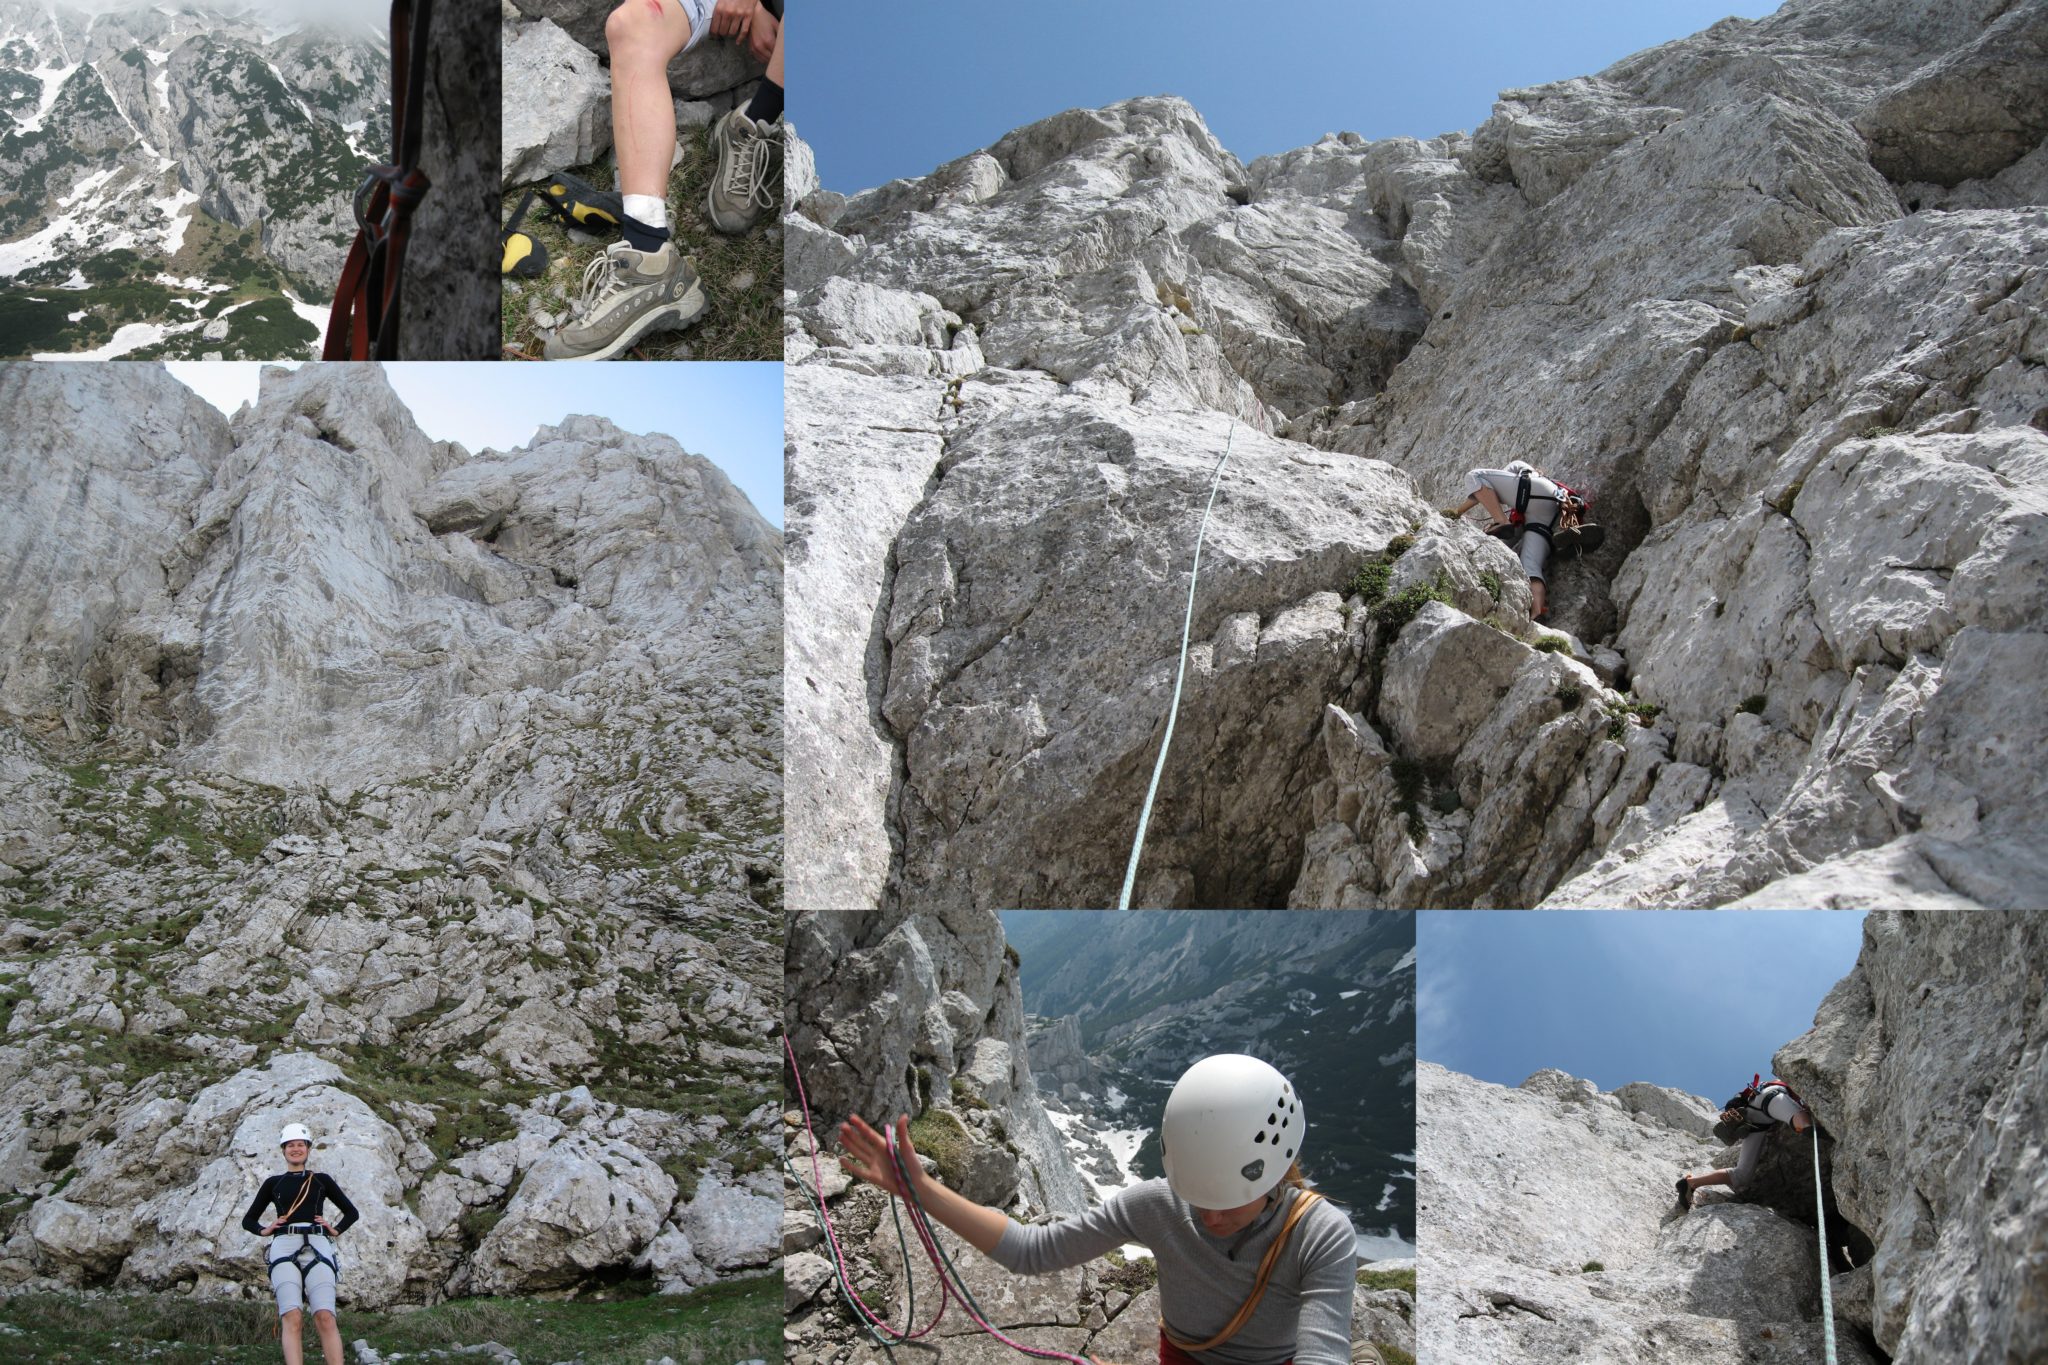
<point>867,1154</point>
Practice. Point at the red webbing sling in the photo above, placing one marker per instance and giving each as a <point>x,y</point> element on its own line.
<point>364,323</point>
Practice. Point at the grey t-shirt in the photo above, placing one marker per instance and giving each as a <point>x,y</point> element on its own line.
<point>1305,1314</point>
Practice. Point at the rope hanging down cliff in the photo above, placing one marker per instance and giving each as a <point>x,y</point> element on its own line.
<point>951,1285</point>
<point>1820,1229</point>
<point>1181,670</point>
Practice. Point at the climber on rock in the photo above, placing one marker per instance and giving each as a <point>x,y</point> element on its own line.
<point>1254,1266</point>
<point>1750,1118</point>
<point>303,1263</point>
<point>1519,500</point>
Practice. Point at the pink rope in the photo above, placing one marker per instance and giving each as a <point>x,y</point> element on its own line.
<point>831,1236</point>
<point>920,1223</point>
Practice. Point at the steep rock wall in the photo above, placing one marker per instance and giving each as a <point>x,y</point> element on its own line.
<point>1715,283</point>
<point>1548,1225</point>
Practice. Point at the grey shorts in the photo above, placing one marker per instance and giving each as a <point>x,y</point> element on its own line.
<point>699,14</point>
<point>298,1278</point>
<point>1535,552</point>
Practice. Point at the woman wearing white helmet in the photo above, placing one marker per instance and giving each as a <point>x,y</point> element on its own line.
<point>304,1265</point>
<point>1254,1267</point>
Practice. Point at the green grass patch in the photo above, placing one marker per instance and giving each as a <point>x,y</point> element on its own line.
<point>1403,1280</point>
<point>1371,581</point>
<point>1752,705</point>
<point>1133,1276</point>
<point>1591,1267</point>
<point>1552,644</point>
<point>1395,612</point>
<point>713,1326</point>
<point>942,1137</point>
<point>1622,714</point>
<point>1392,1354</point>
<point>1569,695</point>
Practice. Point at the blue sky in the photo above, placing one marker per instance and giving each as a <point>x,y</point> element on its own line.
<point>728,412</point>
<point>894,88</point>
<point>1696,1000</point>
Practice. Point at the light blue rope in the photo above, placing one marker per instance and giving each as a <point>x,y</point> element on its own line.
<point>1180,676</point>
<point>1820,1228</point>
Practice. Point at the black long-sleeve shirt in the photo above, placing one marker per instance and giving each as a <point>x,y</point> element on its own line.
<point>281,1190</point>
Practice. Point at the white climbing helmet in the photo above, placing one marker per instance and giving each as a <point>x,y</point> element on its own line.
<point>1232,1127</point>
<point>295,1132</point>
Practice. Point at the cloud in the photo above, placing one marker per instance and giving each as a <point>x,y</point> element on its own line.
<point>327,13</point>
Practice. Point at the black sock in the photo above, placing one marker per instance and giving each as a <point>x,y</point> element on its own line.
<point>766,106</point>
<point>641,237</point>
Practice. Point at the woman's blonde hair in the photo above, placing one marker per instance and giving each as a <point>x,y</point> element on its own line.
<point>1294,1177</point>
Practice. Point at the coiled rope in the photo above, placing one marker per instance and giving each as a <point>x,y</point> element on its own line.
<point>1820,1229</point>
<point>1180,674</point>
<point>951,1285</point>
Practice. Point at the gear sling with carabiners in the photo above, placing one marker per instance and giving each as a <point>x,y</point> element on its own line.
<point>364,323</point>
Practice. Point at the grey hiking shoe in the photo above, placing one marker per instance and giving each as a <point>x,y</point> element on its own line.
<point>749,171</point>
<point>628,294</point>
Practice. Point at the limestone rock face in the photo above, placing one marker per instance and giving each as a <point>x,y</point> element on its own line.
<point>426,798</point>
<point>1948,1005</point>
<point>890,1013</point>
<point>560,110</point>
<point>1791,346</point>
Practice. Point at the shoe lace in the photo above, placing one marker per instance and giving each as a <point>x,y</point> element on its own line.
<point>600,281</point>
<point>745,175</point>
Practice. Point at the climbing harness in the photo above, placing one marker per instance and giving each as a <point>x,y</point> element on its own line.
<point>951,1284</point>
<point>1820,1229</point>
<point>307,1255</point>
<point>1181,670</point>
<point>364,324</point>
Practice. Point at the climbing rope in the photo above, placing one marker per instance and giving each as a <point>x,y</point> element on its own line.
<point>951,1285</point>
<point>1180,674</point>
<point>1820,1228</point>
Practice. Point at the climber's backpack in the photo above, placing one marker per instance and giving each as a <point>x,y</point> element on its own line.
<point>1574,531</point>
<point>1754,1099</point>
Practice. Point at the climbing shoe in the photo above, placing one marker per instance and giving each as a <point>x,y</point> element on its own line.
<point>627,295</point>
<point>581,205</point>
<point>521,252</point>
<point>1684,1193</point>
<point>749,171</point>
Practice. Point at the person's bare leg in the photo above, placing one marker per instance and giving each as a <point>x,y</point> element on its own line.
<point>1710,1178</point>
<point>288,1333</point>
<point>1536,595</point>
<point>330,1336</point>
<point>1490,500</point>
<point>644,37</point>
<point>775,58</point>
